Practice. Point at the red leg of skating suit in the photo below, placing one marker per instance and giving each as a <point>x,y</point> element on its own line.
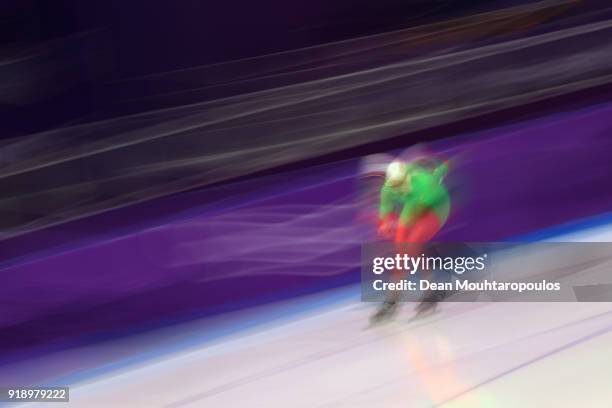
<point>421,231</point>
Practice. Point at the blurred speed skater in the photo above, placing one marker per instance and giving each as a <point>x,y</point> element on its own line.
<point>414,205</point>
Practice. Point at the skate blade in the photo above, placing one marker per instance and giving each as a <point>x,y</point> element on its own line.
<point>375,321</point>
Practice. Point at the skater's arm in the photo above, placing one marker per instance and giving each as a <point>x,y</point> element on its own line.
<point>409,212</point>
<point>386,203</point>
<point>385,228</point>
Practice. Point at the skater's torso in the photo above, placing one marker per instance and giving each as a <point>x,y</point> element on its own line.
<point>421,190</point>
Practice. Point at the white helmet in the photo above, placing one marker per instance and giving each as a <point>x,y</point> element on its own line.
<point>396,173</point>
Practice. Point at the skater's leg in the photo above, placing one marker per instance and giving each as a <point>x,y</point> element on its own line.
<point>424,230</point>
<point>390,305</point>
<point>420,232</point>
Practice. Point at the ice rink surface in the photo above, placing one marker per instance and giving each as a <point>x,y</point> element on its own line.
<point>466,355</point>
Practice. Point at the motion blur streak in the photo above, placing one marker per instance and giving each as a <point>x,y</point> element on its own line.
<point>274,70</point>
<point>291,239</point>
<point>296,117</point>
